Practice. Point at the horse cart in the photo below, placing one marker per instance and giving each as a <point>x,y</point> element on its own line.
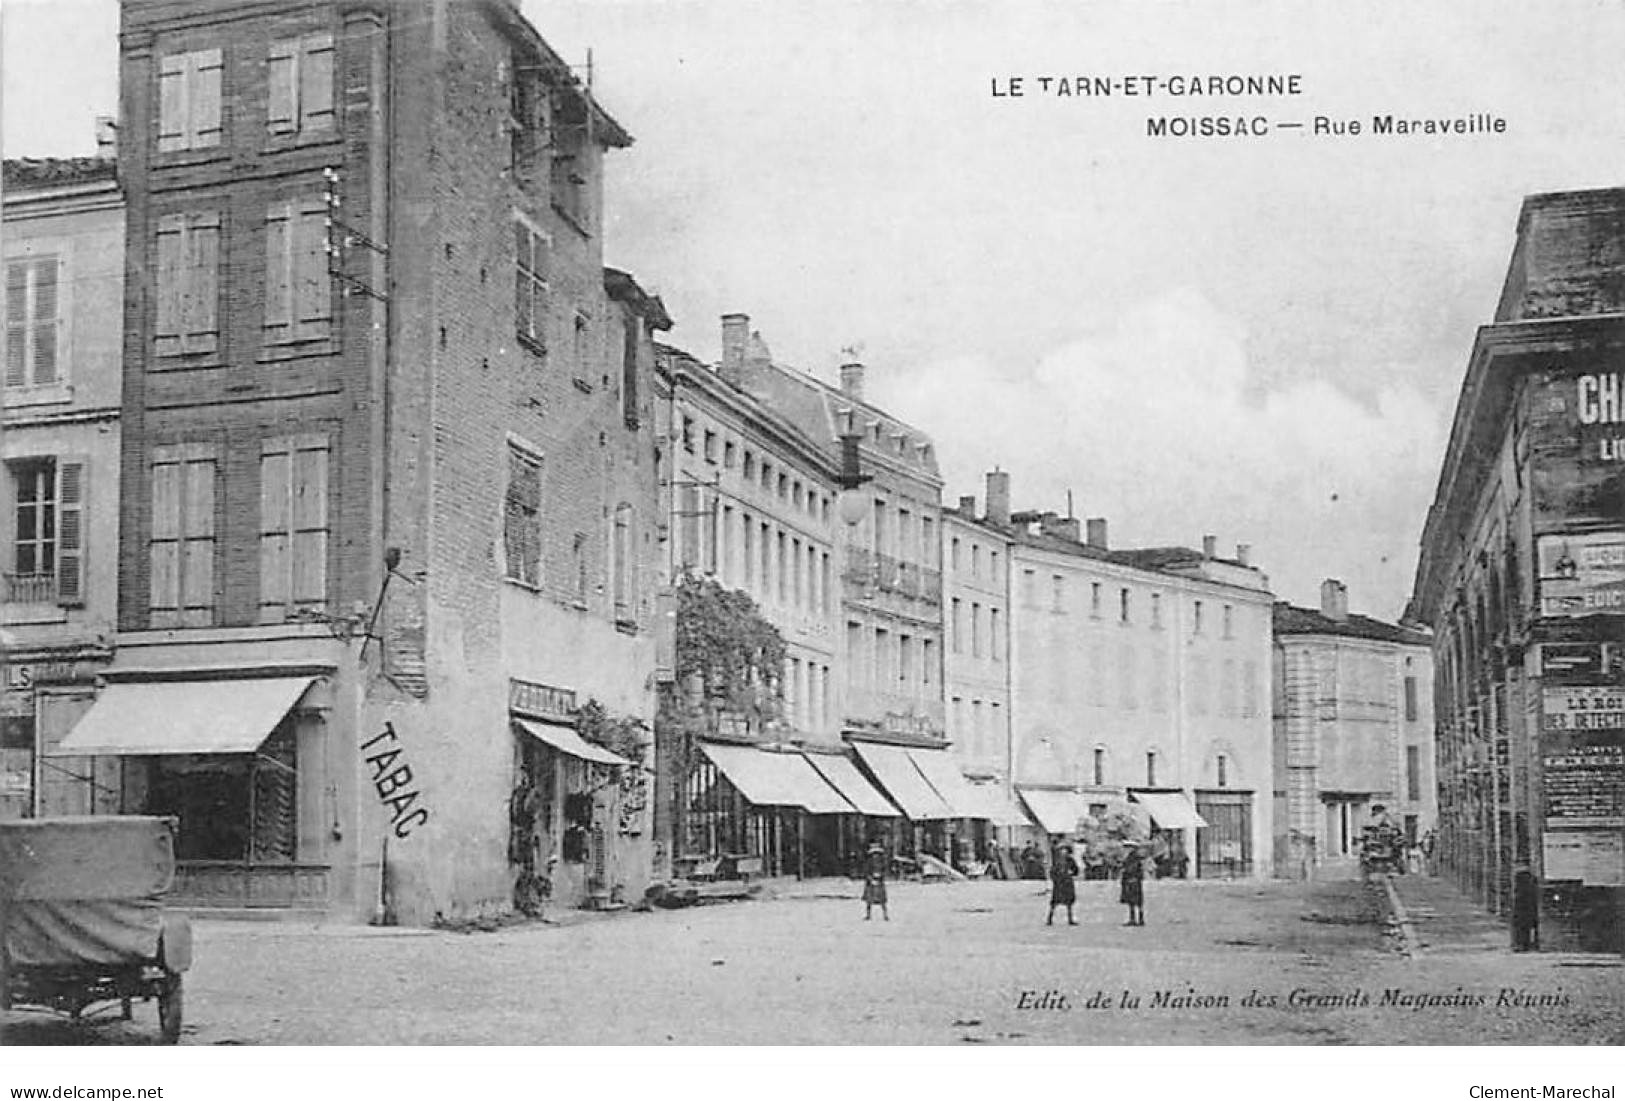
<point>82,918</point>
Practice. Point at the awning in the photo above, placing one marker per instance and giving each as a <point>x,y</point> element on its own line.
<point>776,779</point>
<point>942,772</point>
<point>163,717</point>
<point>1171,810</point>
<point>1056,811</point>
<point>845,778</point>
<point>903,782</point>
<point>993,804</point>
<point>565,740</point>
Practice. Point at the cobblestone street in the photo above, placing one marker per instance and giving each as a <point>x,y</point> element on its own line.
<point>956,964</point>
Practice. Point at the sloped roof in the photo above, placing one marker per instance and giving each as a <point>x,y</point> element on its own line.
<point>1292,620</point>
<point>26,172</point>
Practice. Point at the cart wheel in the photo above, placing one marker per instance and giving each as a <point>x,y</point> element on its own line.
<point>169,1009</point>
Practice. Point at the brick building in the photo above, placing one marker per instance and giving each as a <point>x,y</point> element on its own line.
<point>1353,716</point>
<point>388,494</point>
<point>64,235</point>
<point>1522,579</point>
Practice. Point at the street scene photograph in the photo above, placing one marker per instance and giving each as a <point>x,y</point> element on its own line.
<point>656,523</point>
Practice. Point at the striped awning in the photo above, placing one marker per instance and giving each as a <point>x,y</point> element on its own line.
<point>1172,810</point>
<point>1056,811</point>
<point>903,782</point>
<point>845,778</point>
<point>771,779</point>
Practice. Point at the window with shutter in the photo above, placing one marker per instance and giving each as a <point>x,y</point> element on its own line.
<point>625,567</point>
<point>531,266</point>
<point>181,544</point>
<point>299,86</point>
<point>522,536</point>
<point>70,531</point>
<point>189,107</point>
<point>35,515</point>
<point>293,525</point>
<point>298,283</point>
<point>188,290</point>
<point>33,321</point>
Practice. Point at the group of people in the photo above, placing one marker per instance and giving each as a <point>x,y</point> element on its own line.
<point>1063,871</point>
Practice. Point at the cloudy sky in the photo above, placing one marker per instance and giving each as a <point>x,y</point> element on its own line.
<point>1259,338</point>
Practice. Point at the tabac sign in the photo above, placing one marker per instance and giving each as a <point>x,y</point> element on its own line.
<point>1582,574</point>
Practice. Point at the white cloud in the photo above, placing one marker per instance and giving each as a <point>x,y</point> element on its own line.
<point>1147,419</point>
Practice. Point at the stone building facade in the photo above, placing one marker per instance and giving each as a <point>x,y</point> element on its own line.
<point>1140,677</point>
<point>388,503</point>
<point>1353,714</point>
<point>59,442</point>
<point>1522,580</point>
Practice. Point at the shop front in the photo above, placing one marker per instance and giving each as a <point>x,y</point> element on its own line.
<point>1174,821</point>
<point>928,828</point>
<point>839,841</point>
<point>751,810</point>
<point>237,761</point>
<point>564,818</point>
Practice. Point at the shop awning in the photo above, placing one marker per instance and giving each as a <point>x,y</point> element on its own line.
<point>942,772</point>
<point>164,717</point>
<point>1056,811</point>
<point>1171,810</point>
<point>776,779</point>
<point>565,740</point>
<point>903,782</point>
<point>994,805</point>
<point>845,778</point>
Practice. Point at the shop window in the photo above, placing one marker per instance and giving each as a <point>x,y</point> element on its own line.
<point>232,806</point>
<point>577,841</point>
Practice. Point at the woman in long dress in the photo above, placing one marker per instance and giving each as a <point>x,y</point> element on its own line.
<point>874,882</point>
<point>1063,869</point>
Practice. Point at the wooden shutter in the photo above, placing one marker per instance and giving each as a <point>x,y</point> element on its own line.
<point>204,98</point>
<point>621,546</point>
<point>202,299</point>
<point>163,586</point>
<point>171,287</point>
<point>316,84</point>
<point>281,106</point>
<point>197,555</point>
<point>313,284</point>
<point>309,492</point>
<point>44,320</point>
<point>70,532</point>
<point>278,274</point>
<point>17,324</point>
<point>276,521</point>
<point>173,120</point>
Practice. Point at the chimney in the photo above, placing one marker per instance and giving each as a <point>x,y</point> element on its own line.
<point>967,506</point>
<point>1070,528</point>
<point>735,335</point>
<point>757,354</point>
<point>1097,532</point>
<point>852,380</point>
<point>1210,546</point>
<point>1334,600</point>
<point>106,136</point>
<point>1244,553</point>
<point>998,497</point>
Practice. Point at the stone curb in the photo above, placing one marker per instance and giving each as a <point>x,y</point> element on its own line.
<point>1410,946</point>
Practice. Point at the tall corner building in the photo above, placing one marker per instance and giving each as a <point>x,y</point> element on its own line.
<point>388,499</point>
<point>1522,579</point>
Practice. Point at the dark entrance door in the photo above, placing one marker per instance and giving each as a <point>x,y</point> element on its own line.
<point>1225,848</point>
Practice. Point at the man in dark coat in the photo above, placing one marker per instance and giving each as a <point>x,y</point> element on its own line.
<point>1133,885</point>
<point>1063,892</point>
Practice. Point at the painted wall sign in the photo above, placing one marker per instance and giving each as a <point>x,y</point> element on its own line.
<point>1579,446</point>
<point>1582,707</point>
<point>1582,574</point>
<point>23,676</point>
<point>1594,857</point>
<point>394,782</point>
<point>543,701</point>
<point>1585,787</point>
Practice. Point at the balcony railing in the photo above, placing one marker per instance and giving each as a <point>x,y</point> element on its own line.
<point>886,574</point>
<point>29,588</point>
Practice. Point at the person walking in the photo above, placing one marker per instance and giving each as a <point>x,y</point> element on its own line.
<point>1063,869</point>
<point>874,882</point>
<point>1133,886</point>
